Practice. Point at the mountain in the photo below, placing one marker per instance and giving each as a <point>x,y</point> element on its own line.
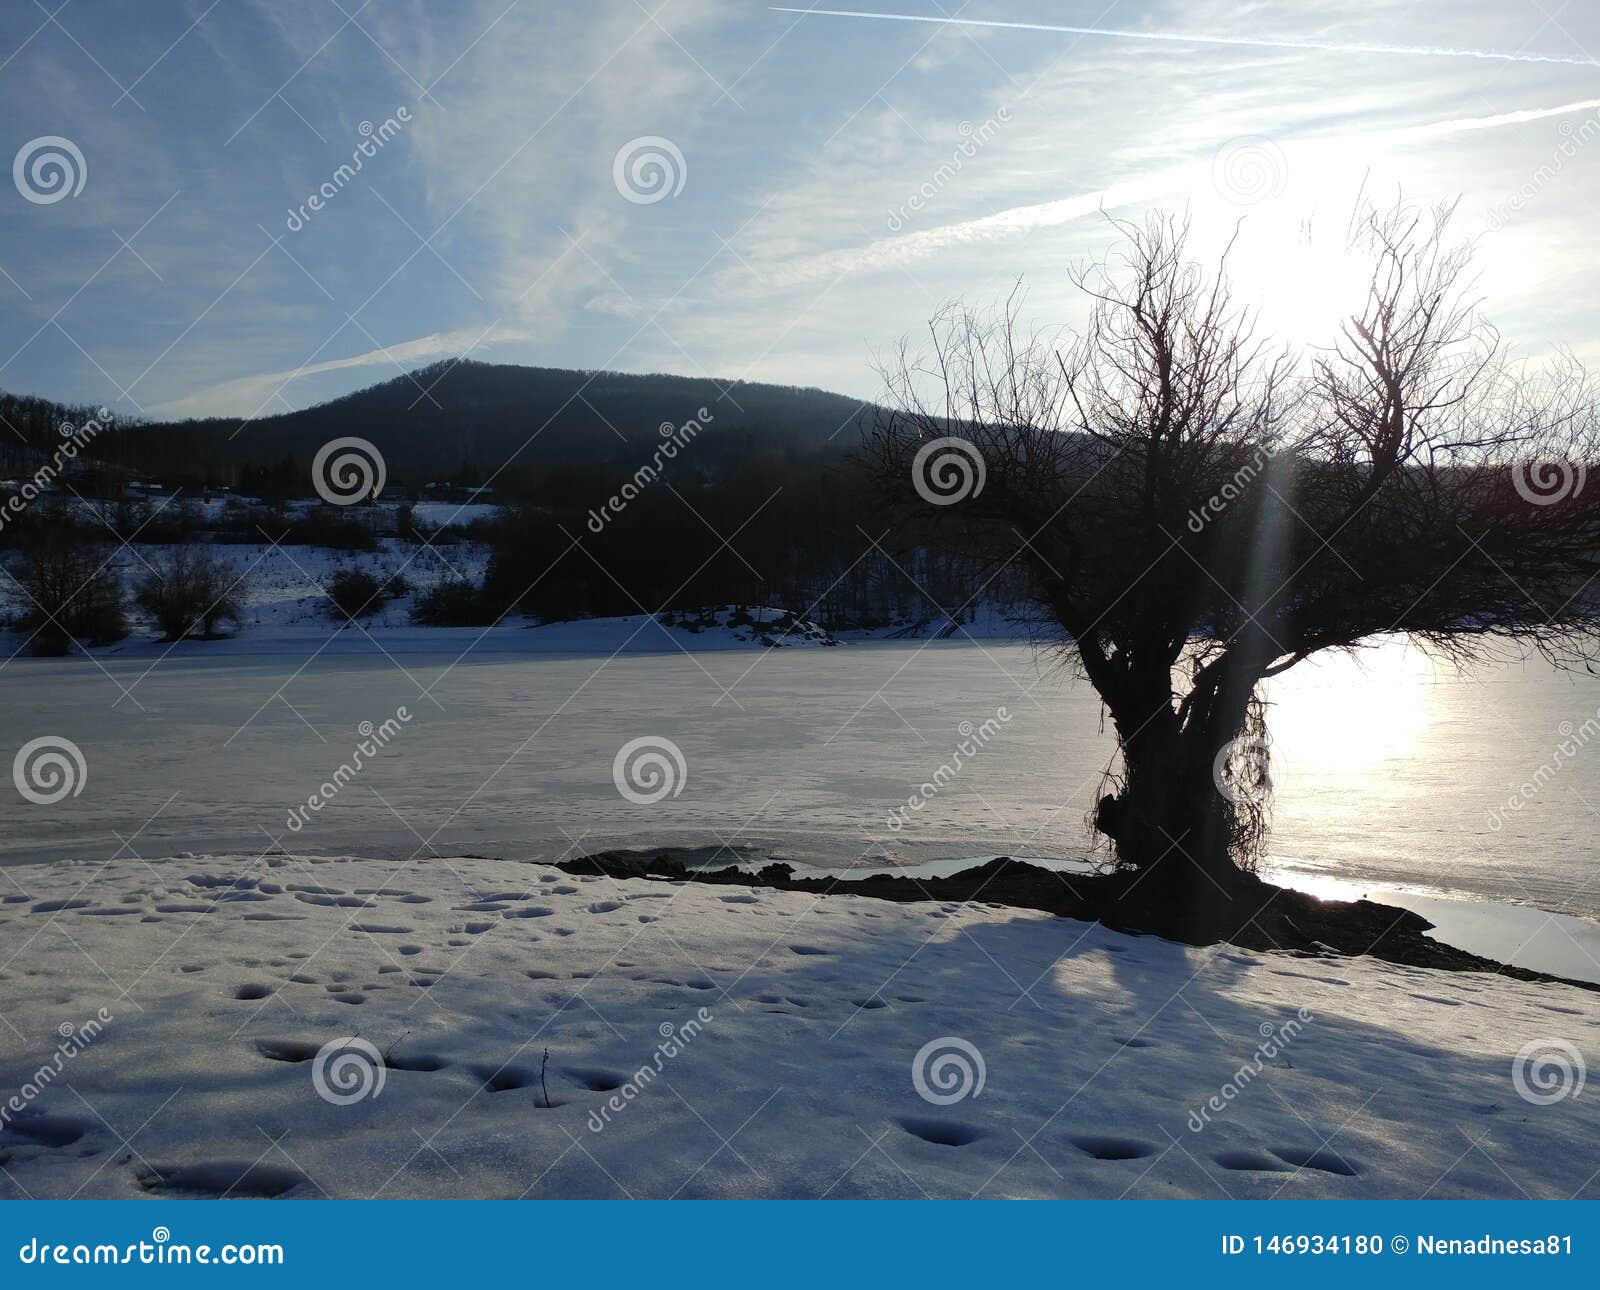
<point>457,419</point>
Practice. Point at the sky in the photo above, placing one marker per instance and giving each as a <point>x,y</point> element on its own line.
<point>720,188</point>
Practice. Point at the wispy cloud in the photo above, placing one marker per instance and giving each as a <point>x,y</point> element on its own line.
<point>271,392</point>
<point>824,211</point>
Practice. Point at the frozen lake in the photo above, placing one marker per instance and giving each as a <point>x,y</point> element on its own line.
<point>1389,771</point>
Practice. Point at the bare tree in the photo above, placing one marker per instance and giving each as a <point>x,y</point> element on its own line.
<point>1199,509</point>
<point>70,591</point>
<point>190,593</point>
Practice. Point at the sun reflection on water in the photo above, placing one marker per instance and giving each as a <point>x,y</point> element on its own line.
<point>1344,715</point>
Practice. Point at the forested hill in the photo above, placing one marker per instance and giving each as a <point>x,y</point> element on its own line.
<point>457,419</point>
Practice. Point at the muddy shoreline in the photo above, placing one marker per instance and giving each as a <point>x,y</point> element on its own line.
<point>1263,916</point>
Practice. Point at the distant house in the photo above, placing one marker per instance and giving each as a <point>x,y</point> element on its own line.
<point>478,493</point>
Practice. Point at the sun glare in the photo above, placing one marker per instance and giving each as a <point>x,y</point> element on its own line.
<point>1306,285</point>
<point>1346,714</point>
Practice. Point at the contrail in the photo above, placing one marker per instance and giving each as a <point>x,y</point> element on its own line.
<point>920,244</point>
<point>1461,125</point>
<point>1190,38</point>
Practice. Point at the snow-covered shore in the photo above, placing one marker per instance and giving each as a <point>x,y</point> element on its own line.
<point>780,1032</point>
<point>285,605</point>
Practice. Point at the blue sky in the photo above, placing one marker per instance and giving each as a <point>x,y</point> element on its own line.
<point>828,181</point>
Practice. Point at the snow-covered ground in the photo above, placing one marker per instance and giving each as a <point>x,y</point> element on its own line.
<point>283,589</point>
<point>427,515</point>
<point>708,1041</point>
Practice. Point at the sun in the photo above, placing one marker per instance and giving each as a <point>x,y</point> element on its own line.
<point>1308,287</point>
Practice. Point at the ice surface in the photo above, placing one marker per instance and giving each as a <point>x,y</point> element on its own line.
<point>1382,778</point>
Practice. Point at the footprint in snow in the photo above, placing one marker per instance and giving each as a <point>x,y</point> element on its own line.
<point>596,1079</point>
<point>54,1131</point>
<point>1246,1161</point>
<point>942,1133</point>
<point>507,1079</point>
<point>1112,1148</point>
<point>230,1178</point>
<point>286,1050</point>
<point>1323,1158</point>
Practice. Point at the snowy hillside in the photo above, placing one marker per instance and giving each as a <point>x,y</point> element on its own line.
<point>704,1041</point>
<point>284,594</point>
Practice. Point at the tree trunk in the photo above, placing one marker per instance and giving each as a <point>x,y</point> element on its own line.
<point>1172,828</point>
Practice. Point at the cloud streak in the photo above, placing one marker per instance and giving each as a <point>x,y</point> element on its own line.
<point>1200,38</point>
